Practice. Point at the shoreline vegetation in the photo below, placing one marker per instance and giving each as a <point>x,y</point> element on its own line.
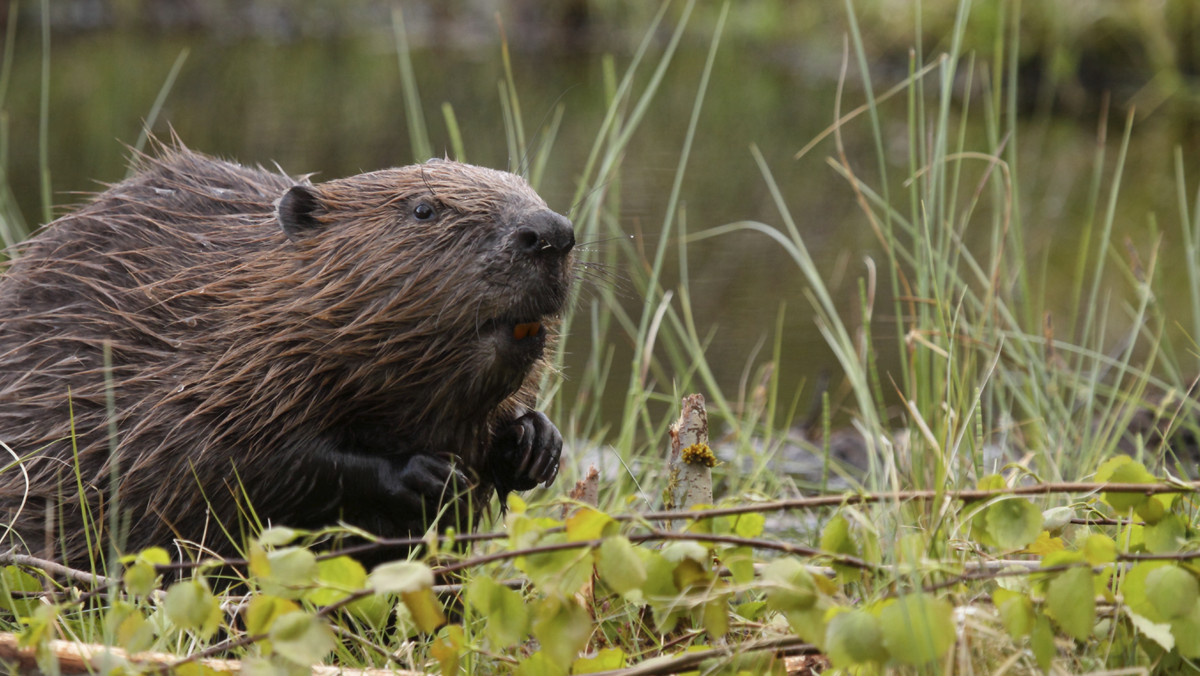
<point>1021,498</point>
<point>1069,56</point>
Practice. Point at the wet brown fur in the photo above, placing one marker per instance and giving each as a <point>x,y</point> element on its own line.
<point>231,341</point>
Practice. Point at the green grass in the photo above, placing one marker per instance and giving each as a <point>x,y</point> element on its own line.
<point>988,360</point>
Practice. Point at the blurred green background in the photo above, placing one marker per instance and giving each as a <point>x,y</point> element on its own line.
<point>314,86</point>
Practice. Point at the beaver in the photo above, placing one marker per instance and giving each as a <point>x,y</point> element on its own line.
<point>210,348</point>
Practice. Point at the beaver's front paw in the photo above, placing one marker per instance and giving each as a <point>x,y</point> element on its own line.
<point>525,453</point>
<point>426,483</point>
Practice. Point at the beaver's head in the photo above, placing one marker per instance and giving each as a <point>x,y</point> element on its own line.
<point>444,275</point>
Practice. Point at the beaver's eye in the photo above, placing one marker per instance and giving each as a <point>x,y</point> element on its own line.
<point>424,212</point>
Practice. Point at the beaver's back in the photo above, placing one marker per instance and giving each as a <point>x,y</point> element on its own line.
<point>125,275</point>
<point>321,352</point>
<point>178,212</point>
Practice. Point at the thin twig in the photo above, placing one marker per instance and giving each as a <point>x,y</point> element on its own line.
<point>757,543</point>
<point>56,569</point>
<point>652,537</point>
<point>908,496</point>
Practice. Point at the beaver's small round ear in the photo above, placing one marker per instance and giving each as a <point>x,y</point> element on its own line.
<point>297,211</point>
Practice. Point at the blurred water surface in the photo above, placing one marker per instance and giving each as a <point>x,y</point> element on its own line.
<point>333,105</point>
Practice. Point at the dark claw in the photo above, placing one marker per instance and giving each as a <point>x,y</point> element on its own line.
<point>541,470</point>
<point>525,446</point>
<point>549,474</point>
<point>525,453</point>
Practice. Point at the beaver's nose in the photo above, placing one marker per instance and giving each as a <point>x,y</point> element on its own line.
<point>545,234</point>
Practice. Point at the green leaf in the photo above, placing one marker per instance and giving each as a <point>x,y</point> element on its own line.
<point>448,645</point>
<point>562,628</point>
<point>277,536</point>
<point>689,575</point>
<point>589,524</point>
<point>260,566</point>
<point>1044,544</point>
<point>749,525</point>
<point>400,576</point>
<point>740,562</point>
<point>134,633</point>
<point>301,638</point>
<point>336,579</point>
<point>13,579</point>
<point>1132,539</point>
<point>811,624</point>
<point>1186,630</point>
<point>515,504</point>
<point>525,531</point>
<point>154,556</point>
<point>263,610</point>
<point>1160,633</point>
<point>604,660</point>
<point>789,585</point>
<point>1165,537</point>
<point>505,610</point>
<point>140,578</point>
<point>39,626</point>
<point>191,606</point>
<point>1104,473</point>
<point>751,610</point>
<point>619,566</point>
<point>693,564</point>
<point>991,482</point>
<point>129,627</point>
<point>1153,509</point>
<point>715,616</point>
<point>290,572</point>
<point>1133,589</point>
<point>854,637</point>
<point>836,539</point>
<point>1042,643</point>
<point>1013,523</point>
<point>342,576</point>
<point>660,575</point>
<point>667,615</point>
<point>1016,611</point>
<point>917,628</point>
<point>719,525</point>
<point>1172,591</point>
<point>537,664</point>
<point>1099,549</point>
<point>562,572</point>
<point>1124,470</point>
<point>1061,558</point>
<point>1071,601</point>
<point>425,608</point>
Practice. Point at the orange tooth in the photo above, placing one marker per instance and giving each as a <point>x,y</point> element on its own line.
<point>522,331</point>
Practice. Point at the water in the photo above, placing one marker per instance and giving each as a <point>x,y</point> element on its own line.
<point>335,107</point>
